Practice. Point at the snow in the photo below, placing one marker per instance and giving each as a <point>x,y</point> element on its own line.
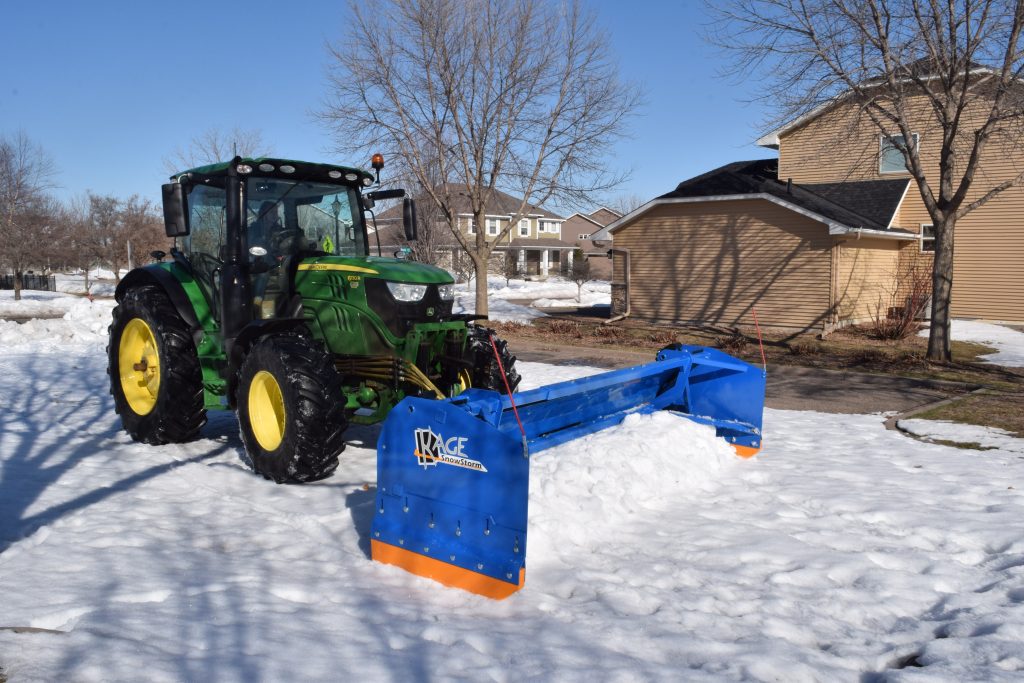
<point>986,437</point>
<point>839,552</point>
<point>556,292</point>
<point>75,284</point>
<point>83,322</point>
<point>1008,342</point>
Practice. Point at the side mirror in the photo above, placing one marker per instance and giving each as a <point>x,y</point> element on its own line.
<point>175,210</point>
<point>409,218</point>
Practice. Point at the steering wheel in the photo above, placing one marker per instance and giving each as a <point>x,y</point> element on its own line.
<point>287,241</point>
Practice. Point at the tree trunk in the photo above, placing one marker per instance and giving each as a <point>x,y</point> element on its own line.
<point>939,348</point>
<point>17,284</point>
<point>480,267</point>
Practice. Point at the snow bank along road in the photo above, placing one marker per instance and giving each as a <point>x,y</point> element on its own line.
<point>843,549</point>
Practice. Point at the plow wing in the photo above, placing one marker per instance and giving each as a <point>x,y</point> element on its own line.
<point>453,475</point>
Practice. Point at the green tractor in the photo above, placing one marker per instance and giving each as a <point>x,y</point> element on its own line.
<point>271,305</point>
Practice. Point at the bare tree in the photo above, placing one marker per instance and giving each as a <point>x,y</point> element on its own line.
<point>214,145</point>
<point>626,203</point>
<point>954,67</point>
<point>26,173</point>
<point>115,227</point>
<point>579,272</point>
<point>521,96</point>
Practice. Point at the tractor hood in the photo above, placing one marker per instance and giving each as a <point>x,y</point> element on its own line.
<point>391,269</point>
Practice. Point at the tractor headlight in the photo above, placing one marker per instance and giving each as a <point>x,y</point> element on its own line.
<point>406,292</point>
<point>447,292</point>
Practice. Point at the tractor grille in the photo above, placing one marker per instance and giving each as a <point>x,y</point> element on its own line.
<point>399,316</point>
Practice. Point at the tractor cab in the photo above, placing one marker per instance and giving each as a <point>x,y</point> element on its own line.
<point>286,211</point>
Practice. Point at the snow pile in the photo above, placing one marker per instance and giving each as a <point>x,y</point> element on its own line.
<point>84,323</point>
<point>34,303</point>
<point>1008,342</point>
<point>75,284</point>
<point>552,293</point>
<point>554,287</point>
<point>986,437</point>
<point>498,309</point>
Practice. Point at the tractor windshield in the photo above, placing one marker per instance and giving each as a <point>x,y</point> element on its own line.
<point>304,216</point>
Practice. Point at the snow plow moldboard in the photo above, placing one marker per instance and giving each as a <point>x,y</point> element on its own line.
<point>453,475</point>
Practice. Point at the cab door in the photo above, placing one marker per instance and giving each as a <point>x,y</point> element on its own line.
<point>207,205</point>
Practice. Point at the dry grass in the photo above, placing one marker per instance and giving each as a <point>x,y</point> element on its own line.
<point>851,348</point>
<point>994,409</point>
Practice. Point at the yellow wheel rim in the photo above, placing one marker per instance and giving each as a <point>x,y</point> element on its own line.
<point>138,361</point>
<point>464,380</point>
<point>266,410</point>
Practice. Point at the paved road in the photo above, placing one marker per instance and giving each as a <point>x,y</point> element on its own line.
<point>789,387</point>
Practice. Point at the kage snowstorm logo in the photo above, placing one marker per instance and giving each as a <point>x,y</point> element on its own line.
<point>433,448</point>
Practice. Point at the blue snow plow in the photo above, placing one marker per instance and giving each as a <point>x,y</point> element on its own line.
<point>453,475</point>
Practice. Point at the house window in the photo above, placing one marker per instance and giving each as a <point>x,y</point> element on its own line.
<point>927,238</point>
<point>584,236</point>
<point>470,228</point>
<point>890,158</point>
<point>524,227</point>
<point>548,226</point>
<point>492,226</point>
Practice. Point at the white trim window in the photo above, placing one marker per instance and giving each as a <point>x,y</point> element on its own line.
<point>524,227</point>
<point>927,238</point>
<point>584,236</point>
<point>550,227</point>
<point>492,227</point>
<point>470,228</point>
<point>890,158</point>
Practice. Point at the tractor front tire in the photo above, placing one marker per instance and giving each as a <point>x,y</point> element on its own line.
<point>485,372</point>
<point>154,371</point>
<point>291,409</point>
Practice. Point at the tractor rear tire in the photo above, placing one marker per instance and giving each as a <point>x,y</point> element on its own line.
<point>154,371</point>
<point>291,409</point>
<point>485,372</point>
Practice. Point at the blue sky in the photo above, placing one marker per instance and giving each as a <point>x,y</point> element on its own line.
<point>110,89</point>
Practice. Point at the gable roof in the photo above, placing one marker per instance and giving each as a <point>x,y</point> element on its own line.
<point>857,206</point>
<point>924,69</point>
<point>500,204</point>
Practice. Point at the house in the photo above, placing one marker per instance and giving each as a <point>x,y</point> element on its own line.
<point>579,229</point>
<point>536,242</point>
<point>818,238</point>
<point>737,239</point>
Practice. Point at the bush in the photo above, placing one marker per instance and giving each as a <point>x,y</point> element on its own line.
<point>608,335</point>
<point>897,317</point>
<point>566,327</point>
<point>735,342</point>
<point>662,338</point>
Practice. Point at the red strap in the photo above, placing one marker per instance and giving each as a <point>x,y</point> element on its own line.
<point>504,378</point>
<point>764,363</point>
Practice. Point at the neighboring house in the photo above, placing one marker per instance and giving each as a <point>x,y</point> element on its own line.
<point>535,242</point>
<point>817,238</point>
<point>736,239</point>
<point>579,230</point>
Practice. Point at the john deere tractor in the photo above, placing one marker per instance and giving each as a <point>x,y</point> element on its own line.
<point>271,305</point>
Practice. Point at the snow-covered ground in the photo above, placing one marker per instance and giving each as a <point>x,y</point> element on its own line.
<point>985,437</point>
<point>553,293</point>
<point>1008,342</point>
<point>840,551</point>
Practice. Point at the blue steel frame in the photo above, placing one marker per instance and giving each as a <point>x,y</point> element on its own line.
<point>453,475</point>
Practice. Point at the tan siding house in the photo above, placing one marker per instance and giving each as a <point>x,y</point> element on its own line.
<point>741,254</point>
<point>809,257</point>
<point>988,278</point>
